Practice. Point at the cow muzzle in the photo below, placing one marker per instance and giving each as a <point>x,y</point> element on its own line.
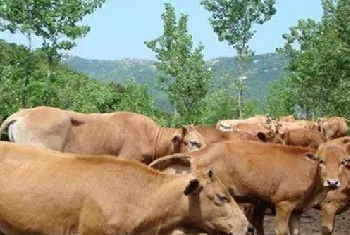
<point>332,183</point>
<point>250,230</point>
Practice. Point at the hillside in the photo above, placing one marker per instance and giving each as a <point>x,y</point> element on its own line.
<point>261,72</point>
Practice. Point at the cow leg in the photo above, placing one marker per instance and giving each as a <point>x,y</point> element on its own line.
<point>248,210</point>
<point>258,218</point>
<point>294,224</point>
<point>283,213</point>
<point>328,212</point>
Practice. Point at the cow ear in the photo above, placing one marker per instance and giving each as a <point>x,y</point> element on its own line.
<point>348,148</point>
<point>192,187</point>
<point>311,156</point>
<point>176,139</point>
<point>184,130</point>
<point>210,173</point>
<point>346,162</point>
<point>262,136</point>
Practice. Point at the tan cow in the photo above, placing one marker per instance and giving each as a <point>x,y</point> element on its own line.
<point>286,177</point>
<point>228,125</point>
<point>212,135</point>
<point>48,192</point>
<point>251,128</point>
<point>289,118</point>
<point>333,127</point>
<point>124,134</point>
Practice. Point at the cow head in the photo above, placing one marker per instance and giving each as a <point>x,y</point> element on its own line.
<point>276,126</point>
<point>187,140</point>
<point>332,160</point>
<point>211,207</point>
<point>270,136</point>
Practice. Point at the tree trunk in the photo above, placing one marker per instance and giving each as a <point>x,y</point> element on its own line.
<point>26,73</point>
<point>47,93</point>
<point>241,75</point>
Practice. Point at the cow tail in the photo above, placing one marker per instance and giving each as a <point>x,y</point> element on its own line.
<point>8,121</point>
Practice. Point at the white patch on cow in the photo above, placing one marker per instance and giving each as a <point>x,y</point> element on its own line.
<point>224,127</point>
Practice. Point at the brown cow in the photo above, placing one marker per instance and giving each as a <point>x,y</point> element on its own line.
<point>282,126</point>
<point>286,177</point>
<point>298,137</point>
<point>339,200</point>
<point>303,137</point>
<point>49,192</point>
<point>124,134</point>
<point>333,127</point>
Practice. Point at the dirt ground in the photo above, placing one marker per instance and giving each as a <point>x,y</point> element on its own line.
<point>311,223</point>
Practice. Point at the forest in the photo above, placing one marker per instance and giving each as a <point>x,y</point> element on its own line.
<point>315,81</point>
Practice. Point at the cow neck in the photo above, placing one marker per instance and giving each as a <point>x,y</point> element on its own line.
<point>162,142</point>
<point>170,215</point>
<point>318,190</point>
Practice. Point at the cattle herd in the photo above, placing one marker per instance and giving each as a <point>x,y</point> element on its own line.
<point>121,173</point>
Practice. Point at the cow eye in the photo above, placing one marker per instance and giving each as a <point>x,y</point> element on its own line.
<point>345,162</point>
<point>195,143</point>
<point>223,198</point>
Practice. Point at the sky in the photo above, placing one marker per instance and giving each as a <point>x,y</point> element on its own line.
<point>120,27</point>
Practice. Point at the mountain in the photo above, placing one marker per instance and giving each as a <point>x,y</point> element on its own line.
<point>261,71</point>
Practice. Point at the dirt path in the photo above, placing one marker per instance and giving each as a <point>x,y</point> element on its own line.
<point>311,224</point>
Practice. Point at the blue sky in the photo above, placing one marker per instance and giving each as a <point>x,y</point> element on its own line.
<point>120,27</point>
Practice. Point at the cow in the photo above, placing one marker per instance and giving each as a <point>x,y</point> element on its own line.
<point>333,127</point>
<point>228,125</point>
<point>289,118</point>
<point>125,134</point>
<point>251,128</point>
<point>282,126</point>
<point>289,178</point>
<point>43,191</point>
<point>297,137</point>
<point>210,134</point>
<point>339,200</point>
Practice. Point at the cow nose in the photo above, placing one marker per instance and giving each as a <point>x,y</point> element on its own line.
<point>333,183</point>
<point>250,230</point>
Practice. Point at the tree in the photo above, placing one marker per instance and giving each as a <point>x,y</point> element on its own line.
<point>319,68</point>
<point>72,90</point>
<point>54,21</point>
<point>281,97</point>
<point>233,20</point>
<point>136,98</point>
<point>13,20</point>
<point>184,75</point>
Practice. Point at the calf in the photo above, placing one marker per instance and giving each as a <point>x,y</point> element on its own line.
<point>47,192</point>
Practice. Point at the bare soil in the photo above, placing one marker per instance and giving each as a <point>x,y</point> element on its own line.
<point>311,223</point>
